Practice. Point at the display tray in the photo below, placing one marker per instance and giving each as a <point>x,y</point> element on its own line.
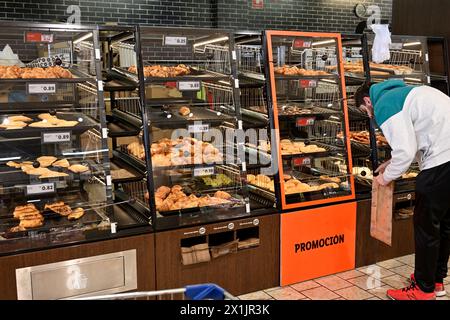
<point>332,76</point>
<point>85,123</point>
<point>51,220</point>
<point>308,112</point>
<point>120,128</point>
<point>136,163</point>
<point>78,76</point>
<point>195,75</point>
<point>117,164</point>
<point>261,192</point>
<point>200,114</point>
<point>234,203</point>
<point>330,150</point>
<point>12,177</point>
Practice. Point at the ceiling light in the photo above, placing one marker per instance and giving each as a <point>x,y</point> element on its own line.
<point>198,44</point>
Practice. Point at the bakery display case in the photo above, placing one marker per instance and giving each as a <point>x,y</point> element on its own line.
<point>308,103</point>
<point>54,166</point>
<point>191,127</point>
<point>261,169</point>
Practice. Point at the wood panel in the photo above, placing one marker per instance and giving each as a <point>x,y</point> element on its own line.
<point>370,250</point>
<point>144,246</point>
<point>241,272</point>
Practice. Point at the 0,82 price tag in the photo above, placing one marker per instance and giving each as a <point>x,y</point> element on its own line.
<point>34,189</point>
<point>305,121</point>
<point>175,41</point>
<point>188,85</point>
<point>201,172</point>
<point>39,88</point>
<point>56,137</point>
<point>301,161</point>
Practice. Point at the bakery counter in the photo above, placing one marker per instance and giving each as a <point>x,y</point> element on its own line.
<point>78,269</point>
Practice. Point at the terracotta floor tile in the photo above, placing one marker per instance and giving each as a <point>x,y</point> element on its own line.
<point>405,270</point>
<point>286,293</point>
<point>392,263</point>
<point>302,286</point>
<point>350,274</point>
<point>380,292</point>
<point>271,289</point>
<point>354,293</point>
<point>366,282</point>
<point>409,259</point>
<point>333,283</point>
<point>258,295</point>
<point>396,281</point>
<point>373,270</point>
<point>320,293</point>
<point>374,298</point>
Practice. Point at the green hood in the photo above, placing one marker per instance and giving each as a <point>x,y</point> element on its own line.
<point>388,99</point>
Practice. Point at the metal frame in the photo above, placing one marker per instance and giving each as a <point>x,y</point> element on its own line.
<point>273,105</point>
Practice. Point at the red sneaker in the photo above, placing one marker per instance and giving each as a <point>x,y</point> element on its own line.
<point>439,288</point>
<point>412,292</point>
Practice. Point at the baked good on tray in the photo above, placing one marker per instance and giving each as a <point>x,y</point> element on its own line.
<point>76,214</point>
<point>15,72</point>
<point>163,71</point>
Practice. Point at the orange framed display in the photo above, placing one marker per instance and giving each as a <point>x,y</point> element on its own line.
<point>309,116</point>
<point>317,242</point>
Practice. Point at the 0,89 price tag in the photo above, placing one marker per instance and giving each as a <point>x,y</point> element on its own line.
<point>188,85</point>
<point>34,189</point>
<point>39,88</point>
<point>201,172</point>
<point>56,137</point>
<point>198,128</point>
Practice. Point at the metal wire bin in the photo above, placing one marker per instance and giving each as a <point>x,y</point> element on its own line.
<point>316,58</point>
<point>218,58</point>
<point>194,292</point>
<point>127,55</point>
<point>249,58</point>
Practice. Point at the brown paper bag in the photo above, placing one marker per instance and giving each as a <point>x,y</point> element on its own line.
<point>381,212</point>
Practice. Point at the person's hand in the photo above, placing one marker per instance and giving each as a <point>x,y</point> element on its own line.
<point>382,167</point>
<point>380,180</point>
<point>367,110</point>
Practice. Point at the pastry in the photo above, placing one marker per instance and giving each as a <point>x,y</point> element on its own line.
<point>31,223</point>
<point>184,111</point>
<point>76,214</point>
<point>35,171</point>
<point>251,178</point>
<point>52,174</point>
<point>46,161</point>
<point>13,164</point>
<point>222,195</point>
<point>78,168</point>
<point>46,116</point>
<point>59,207</point>
<point>329,185</point>
<point>26,209</point>
<point>17,229</point>
<point>121,174</point>
<point>65,123</point>
<point>19,118</point>
<point>331,179</point>
<point>13,125</point>
<point>41,124</point>
<point>162,192</point>
<point>63,163</point>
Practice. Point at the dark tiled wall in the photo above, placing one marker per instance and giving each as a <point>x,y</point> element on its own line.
<point>306,15</point>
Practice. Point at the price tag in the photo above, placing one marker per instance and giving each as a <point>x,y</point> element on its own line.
<point>300,44</point>
<point>305,121</point>
<point>308,83</point>
<point>301,161</point>
<point>188,85</point>
<point>33,189</point>
<point>175,41</point>
<point>39,88</point>
<point>396,46</point>
<point>38,37</point>
<point>198,128</point>
<point>56,137</point>
<point>201,172</point>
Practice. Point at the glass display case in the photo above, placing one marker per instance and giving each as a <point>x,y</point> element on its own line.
<point>190,143</point>
<point>55,183</point>
<point>308,102</point>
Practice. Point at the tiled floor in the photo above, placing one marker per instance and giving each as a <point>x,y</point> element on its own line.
<point>367,283</point>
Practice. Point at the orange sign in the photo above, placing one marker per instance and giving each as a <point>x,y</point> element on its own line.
<point>317,242</point>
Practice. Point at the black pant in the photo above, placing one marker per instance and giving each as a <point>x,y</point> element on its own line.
<point>432,226</point>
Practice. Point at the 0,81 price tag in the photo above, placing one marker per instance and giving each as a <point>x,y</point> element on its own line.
<point>33,189</point>
<point>188,85</point>
<point>39,88</point>
<point>201,172</point>
<point>56,137</point>
<point>301,161</point>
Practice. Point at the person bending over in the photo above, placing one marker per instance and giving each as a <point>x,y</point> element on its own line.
<point>415,121</point>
